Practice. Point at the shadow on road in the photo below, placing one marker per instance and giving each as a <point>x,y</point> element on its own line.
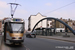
<point>13,45</point>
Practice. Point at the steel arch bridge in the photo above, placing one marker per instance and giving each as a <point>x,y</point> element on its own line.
<point>48,18</point>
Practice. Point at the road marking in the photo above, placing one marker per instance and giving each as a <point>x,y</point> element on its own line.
<point>26,47</point>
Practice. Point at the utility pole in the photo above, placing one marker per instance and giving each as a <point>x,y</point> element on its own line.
<point>13,10</point>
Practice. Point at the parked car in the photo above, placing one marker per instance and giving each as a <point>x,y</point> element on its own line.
<point>30,34</point>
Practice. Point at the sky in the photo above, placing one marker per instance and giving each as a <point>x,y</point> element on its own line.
<point>49,8</point>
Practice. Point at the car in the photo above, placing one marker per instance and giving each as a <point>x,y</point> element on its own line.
<point>30,34</point>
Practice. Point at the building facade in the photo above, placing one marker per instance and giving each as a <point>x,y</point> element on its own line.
<point>57,24</point>
<point>73,23</point>
<point>33,19</point>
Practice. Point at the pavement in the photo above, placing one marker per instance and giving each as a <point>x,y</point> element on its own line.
<point>68,39</point>
<point>1,39</point>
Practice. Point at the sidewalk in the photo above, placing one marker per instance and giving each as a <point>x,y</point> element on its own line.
<point>1,39</point>
<point>68,39</point>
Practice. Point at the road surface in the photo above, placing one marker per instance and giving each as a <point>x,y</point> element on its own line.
<point>41,44</point>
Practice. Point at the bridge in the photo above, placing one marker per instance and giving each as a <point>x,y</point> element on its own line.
<point>49,18</point>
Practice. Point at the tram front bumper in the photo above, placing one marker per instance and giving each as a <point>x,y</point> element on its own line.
<point>16,41</point>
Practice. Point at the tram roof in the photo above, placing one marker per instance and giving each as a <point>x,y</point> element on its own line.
<point>13,20</point>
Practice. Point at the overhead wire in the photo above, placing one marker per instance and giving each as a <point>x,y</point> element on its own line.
<point>60,8</point>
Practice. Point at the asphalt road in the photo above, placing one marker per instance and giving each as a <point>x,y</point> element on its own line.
<point>41,44</point>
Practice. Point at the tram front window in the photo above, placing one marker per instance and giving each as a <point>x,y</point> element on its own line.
<point>17,27</point>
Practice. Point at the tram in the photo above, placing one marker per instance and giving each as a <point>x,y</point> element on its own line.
<point>14,31</point>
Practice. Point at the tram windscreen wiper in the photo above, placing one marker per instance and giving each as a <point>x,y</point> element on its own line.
<point>20,29</point>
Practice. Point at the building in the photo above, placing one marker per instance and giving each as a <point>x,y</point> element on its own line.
<point>69,22</point>
<point>1,27</point>
<point>59,25</point>
<point>73,23</point>
<point>33,19</point>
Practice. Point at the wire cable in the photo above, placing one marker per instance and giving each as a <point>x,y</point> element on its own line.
<point>60,8</point>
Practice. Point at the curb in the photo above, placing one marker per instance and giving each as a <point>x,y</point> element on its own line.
<point>56,39</point>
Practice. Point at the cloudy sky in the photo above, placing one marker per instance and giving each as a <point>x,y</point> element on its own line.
<point>49,8</point>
